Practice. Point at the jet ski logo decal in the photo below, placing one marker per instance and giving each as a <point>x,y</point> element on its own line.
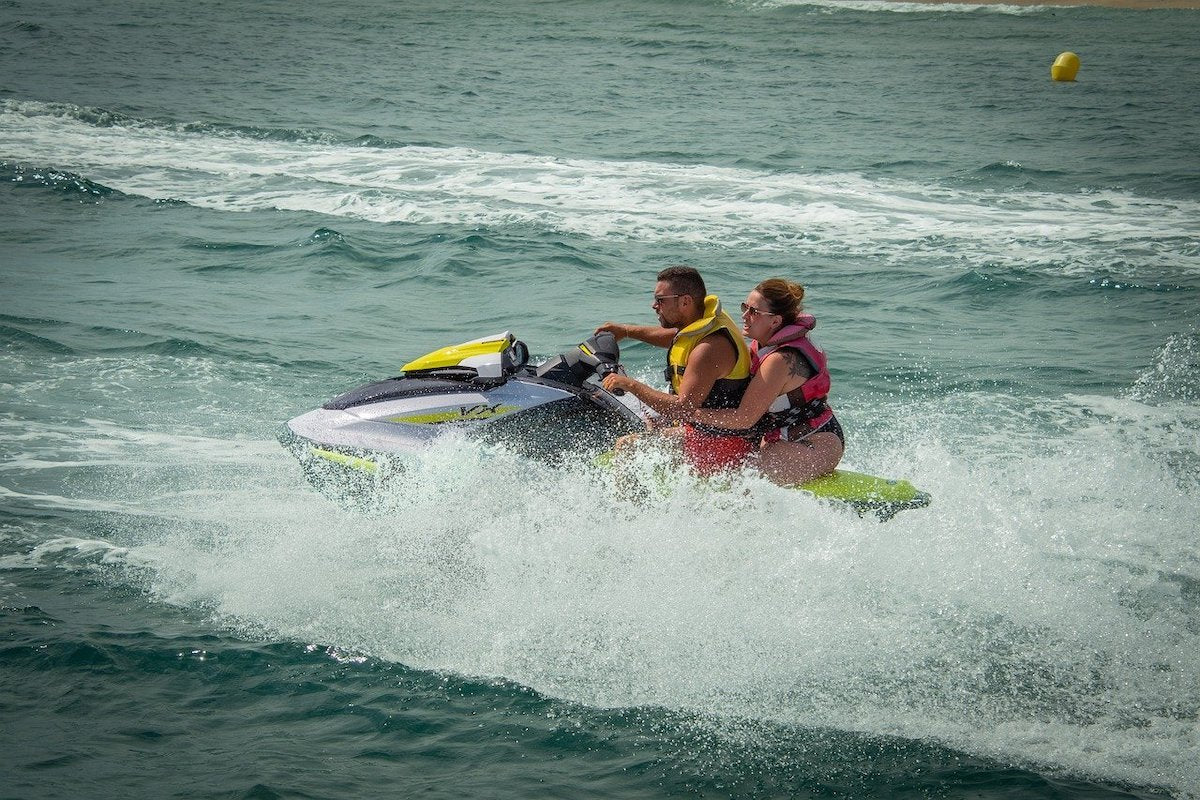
<point>473,413</point>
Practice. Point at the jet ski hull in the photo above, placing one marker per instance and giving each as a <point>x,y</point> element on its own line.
<point>483,390</point>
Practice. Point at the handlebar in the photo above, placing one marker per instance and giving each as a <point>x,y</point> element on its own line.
<point>604,370</point>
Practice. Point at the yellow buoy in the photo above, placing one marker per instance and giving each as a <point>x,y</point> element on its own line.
<point>1065,67</point>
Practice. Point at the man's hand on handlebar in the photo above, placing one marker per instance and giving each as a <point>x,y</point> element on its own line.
<point>618,330</point>
<point>618,384</point>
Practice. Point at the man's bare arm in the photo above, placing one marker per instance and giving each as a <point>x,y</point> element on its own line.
<point>650,334</point>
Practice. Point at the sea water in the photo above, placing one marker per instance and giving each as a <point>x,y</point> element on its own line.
<point>217,215</point>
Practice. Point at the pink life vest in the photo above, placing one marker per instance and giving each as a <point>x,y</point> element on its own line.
<point>810,407</point>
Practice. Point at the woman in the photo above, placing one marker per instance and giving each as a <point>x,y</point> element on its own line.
<point>784,409</point>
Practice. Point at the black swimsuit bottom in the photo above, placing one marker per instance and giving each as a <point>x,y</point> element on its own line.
<point>831,426</point>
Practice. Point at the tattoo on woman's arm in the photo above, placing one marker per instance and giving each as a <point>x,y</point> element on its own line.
<point>797,364</point>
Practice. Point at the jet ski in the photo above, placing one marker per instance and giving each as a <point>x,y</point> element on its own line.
<point>487,390</point>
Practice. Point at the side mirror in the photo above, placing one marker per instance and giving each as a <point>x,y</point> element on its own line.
<point>516,356</point>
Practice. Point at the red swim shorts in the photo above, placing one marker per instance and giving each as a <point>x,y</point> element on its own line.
<point>711,454</point>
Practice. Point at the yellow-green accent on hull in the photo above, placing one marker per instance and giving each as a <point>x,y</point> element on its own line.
<point>858,487</point>
<point>354,462</point>
<point>458,414</point>
<point>453,355</point>
<point>885,497</point>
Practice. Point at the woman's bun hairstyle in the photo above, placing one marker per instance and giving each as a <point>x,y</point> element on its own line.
<point>783,297</point>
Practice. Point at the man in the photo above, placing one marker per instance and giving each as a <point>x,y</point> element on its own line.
<point>708,364</point>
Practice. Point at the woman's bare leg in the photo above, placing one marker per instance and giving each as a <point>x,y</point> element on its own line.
<point>625,444</point>
<point>632,484</point>
<point>789,463</point>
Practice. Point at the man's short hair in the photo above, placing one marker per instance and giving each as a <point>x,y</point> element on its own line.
<point>685,280</point>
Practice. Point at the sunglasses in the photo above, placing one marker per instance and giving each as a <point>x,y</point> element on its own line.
<point>756,312</point>
<point>660,298</point>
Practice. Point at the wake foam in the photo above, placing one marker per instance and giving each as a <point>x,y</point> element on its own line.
<point>1175,375</point>
<point>899,7</point>
<point>888,221</point>
<point>1043,611</point>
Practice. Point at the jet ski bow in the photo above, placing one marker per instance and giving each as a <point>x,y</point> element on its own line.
<point>485,388</point>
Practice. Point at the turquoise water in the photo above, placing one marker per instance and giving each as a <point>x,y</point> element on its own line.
<point>216,215</point>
